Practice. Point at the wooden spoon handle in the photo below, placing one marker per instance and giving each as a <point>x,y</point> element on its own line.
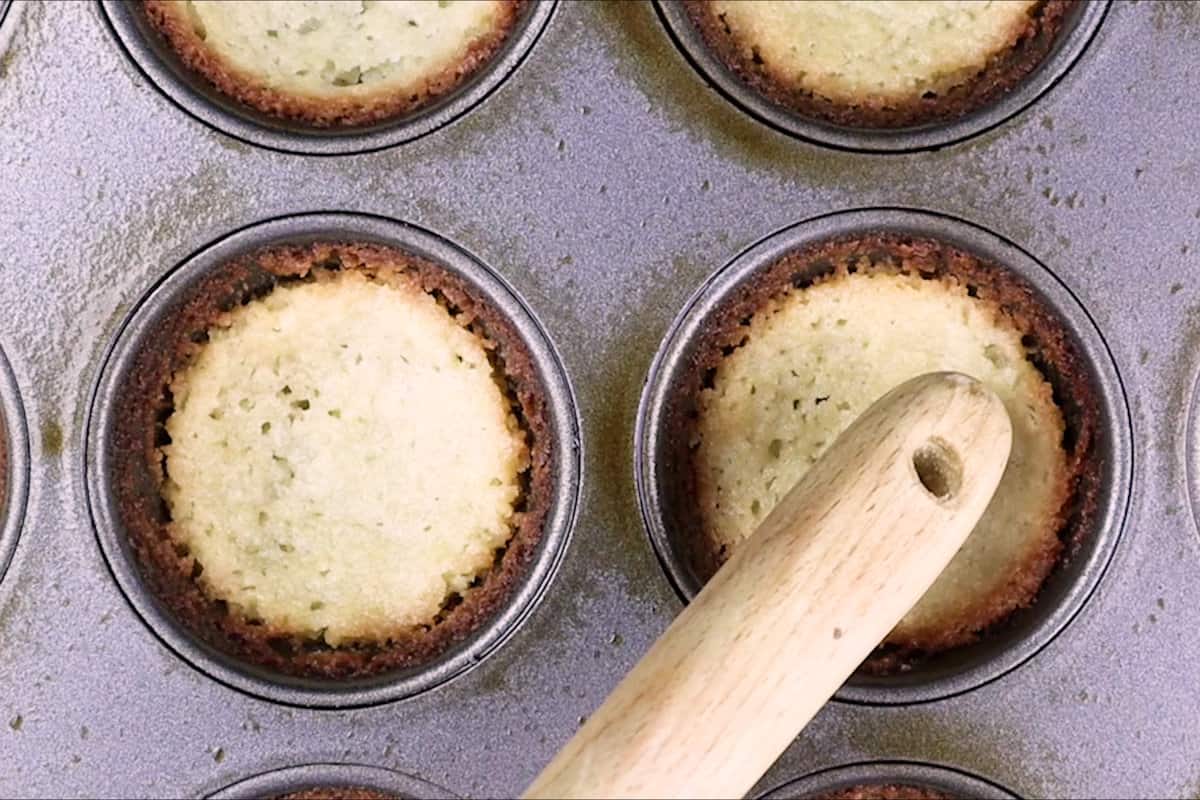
<point>799,605</point>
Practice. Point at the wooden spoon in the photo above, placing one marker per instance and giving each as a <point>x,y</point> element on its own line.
<point>801,603</point>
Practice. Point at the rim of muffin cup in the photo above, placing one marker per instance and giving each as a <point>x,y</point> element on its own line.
<point>10,14</point>
<point>1004,646</point>
<point>1191,449</point>
<point>14,464</point>
<point>948,781</point>
<point>103,481</point>
<point>1078,30</point>
<point>199,99</point>
<point>284,781</point>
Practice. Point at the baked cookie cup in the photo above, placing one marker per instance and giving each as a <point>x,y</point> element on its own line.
<point>334,63</point>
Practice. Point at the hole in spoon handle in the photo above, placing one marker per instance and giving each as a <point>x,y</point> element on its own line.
<point>939,468</point>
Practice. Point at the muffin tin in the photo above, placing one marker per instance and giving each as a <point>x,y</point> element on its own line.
<point>606,183</point>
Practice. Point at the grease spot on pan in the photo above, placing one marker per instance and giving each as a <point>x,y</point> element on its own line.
<point>52,438</point>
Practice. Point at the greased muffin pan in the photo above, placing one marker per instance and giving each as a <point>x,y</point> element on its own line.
<point>605,198</point>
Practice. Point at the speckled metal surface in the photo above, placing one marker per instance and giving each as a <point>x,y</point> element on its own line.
<point>606,182</point>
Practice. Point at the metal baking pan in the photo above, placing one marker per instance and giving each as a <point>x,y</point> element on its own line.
<point>607,183</point>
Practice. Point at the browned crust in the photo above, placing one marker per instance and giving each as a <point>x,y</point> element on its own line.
<point>345,793</point>
<point>886,791</point>
<point>143,403</point>
<point>323,112</point>
<point>1002,73</point>
<point>1048,346</point>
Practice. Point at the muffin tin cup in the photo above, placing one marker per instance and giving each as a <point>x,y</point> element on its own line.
<point>202,101</point>
<point>16,440</point>
<point>1067,589</point>
<point>280,782</point>
<point>950,782</point>
<point>1191,450</point>
<point>563,424</point>
<point>1079,29</point>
